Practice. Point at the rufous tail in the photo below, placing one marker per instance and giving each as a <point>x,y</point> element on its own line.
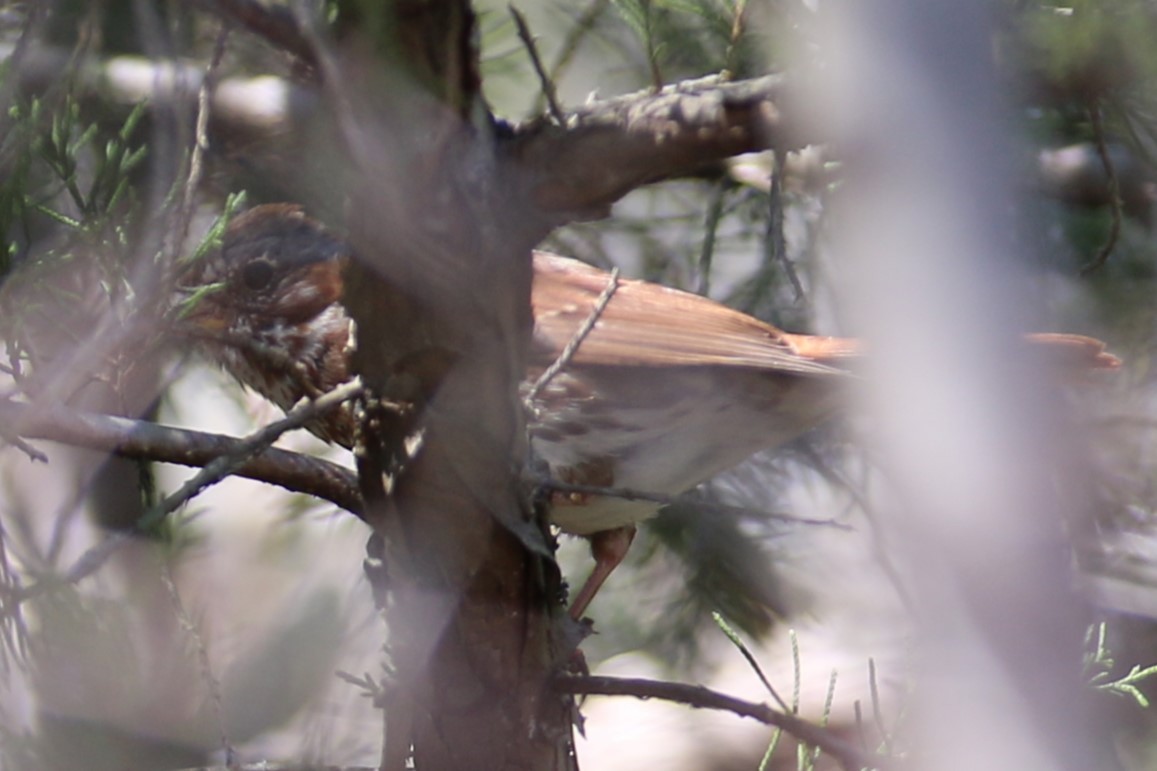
<point>1074,352</point>
<point>824,349</point>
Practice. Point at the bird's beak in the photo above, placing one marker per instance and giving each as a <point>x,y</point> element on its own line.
<point>205,322</point>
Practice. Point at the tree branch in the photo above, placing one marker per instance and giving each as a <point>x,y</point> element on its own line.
<point>581,164</point>
<point>607,148</point>
<point>273,22</point>
<point>850,757</point>
<point>573,170</point>
<point>149,441</point>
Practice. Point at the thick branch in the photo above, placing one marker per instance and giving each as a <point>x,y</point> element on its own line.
<point>149,441</point>
<point>848,755</point>
<point>608,148</point>
<point>601,151</point>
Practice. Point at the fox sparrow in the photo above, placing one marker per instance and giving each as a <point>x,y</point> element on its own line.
<point>666,390</point>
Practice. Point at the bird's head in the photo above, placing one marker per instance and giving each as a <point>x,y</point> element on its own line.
<point>276,268</point>
<point>266,305</point>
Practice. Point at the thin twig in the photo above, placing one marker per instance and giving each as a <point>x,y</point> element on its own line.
<point>548,89</point>
<point>13,630</point>
<point>877,713</point>
<point>137,439</point>
<point>33,454</point>
<point>737,25</point>
<point>211,681</point>
<point>710,230</point>
<point>733,636</point>
<point>240,453</point>
<point>570,44</point>
<point>572,346</point>
<point>652,48</point>
<point>67,512</point>
<point>828,701</point>
<point>1115,203</point>
<point>850,757</point>
<point>627,494</point>
<point>879,548</point>
<point>776,240</point>
<point>796,678</point>
<point>200,141</point>
<point>250,446</point>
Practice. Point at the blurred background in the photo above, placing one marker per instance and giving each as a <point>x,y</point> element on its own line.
<point>987,171</point>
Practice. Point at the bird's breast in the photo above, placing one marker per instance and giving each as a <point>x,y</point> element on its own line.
<point>662,430</point>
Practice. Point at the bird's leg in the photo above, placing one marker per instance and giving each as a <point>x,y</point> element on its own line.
<point>608,547</point>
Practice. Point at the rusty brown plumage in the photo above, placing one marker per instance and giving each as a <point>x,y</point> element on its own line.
<point>666,390</point>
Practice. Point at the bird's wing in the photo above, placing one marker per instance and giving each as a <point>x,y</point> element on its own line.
<point>646,324</point>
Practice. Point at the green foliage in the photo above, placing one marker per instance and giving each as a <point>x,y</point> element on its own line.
<point>234,203</point>
<point>690,36</point>
<point>724,570</point>
<point>50,150</point>
<point>1069,58</point>
<point>504,61</point>
<point>807,758</point>
<point>1088,46</point>
<point>69,140</point>
<point>72,177</point>
<point>1099,666</point>
<point>53,149</point>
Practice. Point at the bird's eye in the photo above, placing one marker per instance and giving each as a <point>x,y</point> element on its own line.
<point>257,275</point>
